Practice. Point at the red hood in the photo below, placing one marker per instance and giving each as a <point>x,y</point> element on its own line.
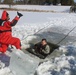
<point>4,15</point>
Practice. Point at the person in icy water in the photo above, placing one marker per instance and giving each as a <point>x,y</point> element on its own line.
<point>42,48</point>
<point>6,37</point>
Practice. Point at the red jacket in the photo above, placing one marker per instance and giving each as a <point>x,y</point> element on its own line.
<point>6,29</point>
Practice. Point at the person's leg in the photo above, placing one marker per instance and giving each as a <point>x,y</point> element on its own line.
<point>16,42</point>
<point>3,48</point>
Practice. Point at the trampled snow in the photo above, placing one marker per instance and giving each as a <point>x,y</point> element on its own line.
<point>31,28</point>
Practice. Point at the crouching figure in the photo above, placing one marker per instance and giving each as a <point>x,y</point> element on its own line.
<point>42,48</point>
<point>6,37</point>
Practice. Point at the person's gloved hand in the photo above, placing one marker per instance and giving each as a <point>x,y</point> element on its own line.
<point>19,14</point>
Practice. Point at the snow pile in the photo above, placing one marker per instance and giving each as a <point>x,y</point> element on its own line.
<point>63,65</point>
<point>17,63</point>
<point>5,71</point>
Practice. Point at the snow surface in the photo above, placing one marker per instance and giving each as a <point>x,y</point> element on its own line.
<point>31,28</point>
<point>39,7</point>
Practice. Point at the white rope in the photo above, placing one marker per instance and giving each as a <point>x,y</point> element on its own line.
<point>66,35</point>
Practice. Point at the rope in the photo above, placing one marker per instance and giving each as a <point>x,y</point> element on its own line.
<point>46,27</point>
<point>36,32</point>
<point>66,35</point>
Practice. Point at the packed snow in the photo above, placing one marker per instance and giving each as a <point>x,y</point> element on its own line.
<point>31,28</point>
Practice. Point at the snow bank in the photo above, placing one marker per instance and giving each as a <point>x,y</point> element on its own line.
<point>63,65</point>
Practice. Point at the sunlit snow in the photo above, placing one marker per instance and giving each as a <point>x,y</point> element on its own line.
<point>31,28</point>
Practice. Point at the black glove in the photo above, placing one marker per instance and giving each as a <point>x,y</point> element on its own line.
<point>19,14</point>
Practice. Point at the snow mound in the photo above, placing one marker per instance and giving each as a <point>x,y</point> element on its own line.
<point>17,63</point>
<point>63,65</point>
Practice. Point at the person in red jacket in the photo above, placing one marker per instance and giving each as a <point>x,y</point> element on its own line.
<point>6,37</point>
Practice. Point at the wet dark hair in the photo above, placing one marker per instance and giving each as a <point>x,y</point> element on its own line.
<point>44,39</point>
